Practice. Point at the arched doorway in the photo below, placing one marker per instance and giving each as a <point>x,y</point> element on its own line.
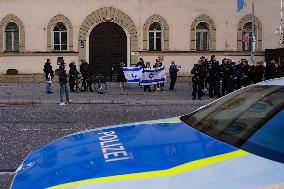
<point>108,47</point>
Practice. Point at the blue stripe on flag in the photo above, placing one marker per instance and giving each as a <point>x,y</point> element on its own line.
<point>133,81</point>
<point>153,81</point>
<point>132,69</point>
<point>154,70</point>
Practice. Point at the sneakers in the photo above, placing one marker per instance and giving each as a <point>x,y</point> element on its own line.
<point>69,101</point>
<point>62,104</point>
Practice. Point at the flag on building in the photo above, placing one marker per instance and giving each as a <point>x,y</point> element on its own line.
<point>241,4</point>
<point>132,74</point>
<point>152,76</point>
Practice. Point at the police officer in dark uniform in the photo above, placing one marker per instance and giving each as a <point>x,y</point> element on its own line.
<point>271,70</point>
<point>73,75</point>
<point>214,77</point>
<point>247,73</point>
<point>258,72</point>
<point>198,78</point>
<point>280,70</point>
<point>86,72</point>
<point>228,77</point>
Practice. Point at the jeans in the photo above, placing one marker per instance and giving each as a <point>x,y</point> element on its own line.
<point>64,90</point>
<point>48,87</point>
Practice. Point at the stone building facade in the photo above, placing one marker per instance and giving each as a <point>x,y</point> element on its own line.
<point>107,32</point>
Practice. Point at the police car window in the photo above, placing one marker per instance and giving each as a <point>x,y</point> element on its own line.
<point>242,118</point>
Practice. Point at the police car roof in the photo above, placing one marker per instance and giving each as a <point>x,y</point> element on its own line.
<point>278,81</point>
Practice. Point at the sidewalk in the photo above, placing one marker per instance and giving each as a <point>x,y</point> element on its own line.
<point>30,93</point>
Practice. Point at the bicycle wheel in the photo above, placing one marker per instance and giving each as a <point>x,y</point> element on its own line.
<point>100,86</point>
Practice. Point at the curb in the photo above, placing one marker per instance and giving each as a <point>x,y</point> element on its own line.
<point>162,102</point>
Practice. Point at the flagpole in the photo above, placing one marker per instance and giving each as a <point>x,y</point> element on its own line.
<point>253,35</point>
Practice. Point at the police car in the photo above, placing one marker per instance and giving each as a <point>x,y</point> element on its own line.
<point>232,143</point>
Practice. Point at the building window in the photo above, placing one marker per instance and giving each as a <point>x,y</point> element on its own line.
<point>202,37</point>
<point>247,39</point>
<point>155,37</point>
<point>12,37</point>
<point>60,37</point>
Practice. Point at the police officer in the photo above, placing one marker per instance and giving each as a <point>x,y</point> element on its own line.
<point>198,78</point>
<point>173,70</point>
<point>280,70</point>
<point>85,70</point>
<point>271,70</point>
<point>258,72</point>
<point>214,77</point>
<point>228,77</point>
<point>73,75</point>
<point>247,73</point>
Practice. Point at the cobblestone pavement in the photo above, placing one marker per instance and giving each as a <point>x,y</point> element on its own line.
<point>30,118</point>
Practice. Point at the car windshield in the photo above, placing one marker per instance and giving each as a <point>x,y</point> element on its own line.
<point>251,119</point>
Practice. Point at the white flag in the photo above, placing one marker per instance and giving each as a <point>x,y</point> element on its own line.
<point>132,74</point>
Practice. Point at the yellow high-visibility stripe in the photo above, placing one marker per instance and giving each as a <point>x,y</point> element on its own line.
<point>162,173</point>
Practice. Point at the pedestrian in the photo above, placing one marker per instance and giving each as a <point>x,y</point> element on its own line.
<point>173,75</point>
<point>140,63</point>
<point>86,74</point>
<point>121,77</point>
<point>198,78</point>
<point>63,83</point>
<point>258,72</point>
<point>247,73</point>
<point>228,77</point>
<point>280,70</point>
<point>271,70</point>
<point>147,87</point>
<point>49,74</point>
<point>73,75</point>
<point>214,77</point>
<point>158,86</point>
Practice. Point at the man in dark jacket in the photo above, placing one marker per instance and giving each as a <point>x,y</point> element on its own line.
<point>228,77</point>
<point>271,70</point>
<point>86,73</point>
<point>73,75</point>
<point>198,78</point>
<point>140,63</point>
<point>63,83</point>
<point>120,76</point>
<point>49,74</point>
<point>173,75</point>
<point>258,72</point>
<point>214,77</point>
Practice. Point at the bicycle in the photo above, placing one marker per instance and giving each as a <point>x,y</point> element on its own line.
<point>97,82</point>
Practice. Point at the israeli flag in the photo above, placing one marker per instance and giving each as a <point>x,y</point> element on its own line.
<point>152,76</point>
<point>132,74</point>
<point>241,4</point>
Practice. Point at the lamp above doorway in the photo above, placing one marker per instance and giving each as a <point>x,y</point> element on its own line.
<point>108,19</point>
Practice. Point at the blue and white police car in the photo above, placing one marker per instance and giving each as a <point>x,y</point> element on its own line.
<point>232,143</point>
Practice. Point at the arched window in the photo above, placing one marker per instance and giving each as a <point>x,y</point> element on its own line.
<point>247,38</point>
<point>155,37</point>
<point>12,37</point>
<point>60,37</point>
<point>202,37</point>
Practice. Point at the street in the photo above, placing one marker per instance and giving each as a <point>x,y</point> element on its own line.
<point>29,118</point>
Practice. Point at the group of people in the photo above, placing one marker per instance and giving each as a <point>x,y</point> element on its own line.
<point>64,78</point>
<point>225,77</point>
<point>218,78</point>
<point>173,70</point>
